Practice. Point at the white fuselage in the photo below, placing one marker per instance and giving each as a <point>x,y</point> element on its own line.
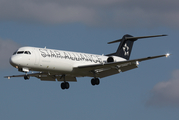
<point>54,61</point>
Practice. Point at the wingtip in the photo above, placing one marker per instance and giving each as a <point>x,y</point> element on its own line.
<point>8,77</point>
<point>167,55</point>
<point>164,35</point>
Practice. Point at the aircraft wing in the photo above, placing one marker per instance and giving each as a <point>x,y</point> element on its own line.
<point>46,77</point>
<point>107,69</point>
<point>32,75</point>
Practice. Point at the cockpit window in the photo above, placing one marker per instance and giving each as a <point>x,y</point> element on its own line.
<point>22,52</point>
<point>27,52</point>
<point>14,53</point>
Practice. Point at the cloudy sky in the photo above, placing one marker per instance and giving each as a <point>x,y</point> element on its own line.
<point>148,92</point>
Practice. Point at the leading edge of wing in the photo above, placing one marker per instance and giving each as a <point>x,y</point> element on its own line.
<point>33,75</point>
<point>113,64</point>
<point>46,77</point>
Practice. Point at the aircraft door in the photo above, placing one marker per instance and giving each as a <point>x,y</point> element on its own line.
<point>37,58</point>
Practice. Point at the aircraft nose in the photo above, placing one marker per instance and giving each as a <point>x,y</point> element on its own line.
<point>14,60</point>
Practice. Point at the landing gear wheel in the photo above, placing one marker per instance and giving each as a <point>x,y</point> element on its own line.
<point>26,77</point>
<point>95,81</point>
<point>65,85</point>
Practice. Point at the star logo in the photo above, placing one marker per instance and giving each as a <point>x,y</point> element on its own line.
<point>126,50</point>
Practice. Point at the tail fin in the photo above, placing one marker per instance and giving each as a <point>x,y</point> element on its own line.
<point>125,47</point>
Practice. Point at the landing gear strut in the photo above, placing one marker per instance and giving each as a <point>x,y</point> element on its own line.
<point>95,81</point>
<point>64,85</point>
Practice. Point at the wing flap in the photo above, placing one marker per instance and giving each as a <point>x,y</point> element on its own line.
<point>108,72</point>
<point>67,78</point>
<point>129,67</point>
<point>46,78</point>
<point>116,70</point>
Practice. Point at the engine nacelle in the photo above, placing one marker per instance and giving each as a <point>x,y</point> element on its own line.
<point>114,59</point>
<point>110,59</point>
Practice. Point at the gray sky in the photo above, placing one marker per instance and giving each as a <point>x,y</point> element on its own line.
<point>7,47</point>
<point>120,13</point>
<point>166,93</point>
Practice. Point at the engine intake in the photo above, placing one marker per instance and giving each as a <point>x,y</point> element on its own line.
<point>110,59</point>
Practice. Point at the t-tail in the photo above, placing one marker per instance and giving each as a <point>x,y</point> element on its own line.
<point>125,47</point>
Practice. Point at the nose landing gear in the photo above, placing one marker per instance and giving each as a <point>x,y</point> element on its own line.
<point>26,77</point>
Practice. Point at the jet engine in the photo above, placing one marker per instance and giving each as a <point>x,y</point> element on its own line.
<point>110,59</point>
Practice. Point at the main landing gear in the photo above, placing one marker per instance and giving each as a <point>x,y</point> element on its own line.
<point>65,85</point>
<point>95,81</point>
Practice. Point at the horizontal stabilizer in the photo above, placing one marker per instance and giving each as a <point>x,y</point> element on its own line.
<point>135,38</point>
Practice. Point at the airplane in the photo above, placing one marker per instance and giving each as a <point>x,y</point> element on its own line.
<point>66,66</point>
